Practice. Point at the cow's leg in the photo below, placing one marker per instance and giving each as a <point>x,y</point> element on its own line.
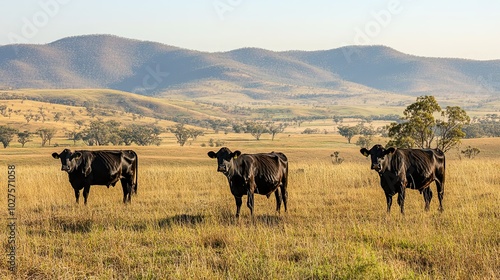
<point>250,201</point>
<point>388,198</point>
<point>127,189</point>
<point>278,200</point>
<point>238,205</point>
<point>86,191</point>
<point>77,195</point>
<point>401,199</point>
<point>284,194</point>
<point>427,193</point>
<point>440,191</point>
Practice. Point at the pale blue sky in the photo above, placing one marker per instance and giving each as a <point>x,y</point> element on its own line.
<point>438,28</point>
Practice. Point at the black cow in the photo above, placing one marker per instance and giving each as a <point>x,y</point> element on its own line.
<point>254,173</point>
<point>408,168</point>
<point>86,168</point>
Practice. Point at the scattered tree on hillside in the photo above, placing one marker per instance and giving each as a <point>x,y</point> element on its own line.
<point>57,116</point>
<point>23,138</point>
<point>194,133</point>
<point>366,138</point>
<point>238,128</point>
<point>3,110</point>
<point>256,129</point>
<point>337,119</point>
<point>74,136</point>
<point>29,116</point>
<point>365,141</point>
<point>349,132</point>
<point>274,128</point>
<point>42,113</point>
<point>145,135</point>
<point>181,133</point>
<point>486,126</point>
<point>311,131</point>
<point>6,135</point>
<point>79,124</point>
<point>298,121</point>
<point>217,124</point>
<point>127,135</point>
<point>100,133</point>
<point>46,134</point>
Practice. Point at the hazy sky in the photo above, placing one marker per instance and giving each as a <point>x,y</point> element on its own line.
<point>437,28</point>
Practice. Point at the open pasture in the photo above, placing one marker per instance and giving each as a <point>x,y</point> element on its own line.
<point>181,224</point>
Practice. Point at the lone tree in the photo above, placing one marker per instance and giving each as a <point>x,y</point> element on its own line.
<point>366,138</point>
<point>23,138</point>
<point>145,135</point>
<point>256,129</point>
<point>46,134</point>
<point>74,136</point>
<point>181,133</point>
<point>100,133</point>
<point>274,129</point>
<point>6,135</point>
<point>450,130</point>
<point>420,128</point>
<point>349,132</point>
<point>194,133</point>
<point>337,119</point>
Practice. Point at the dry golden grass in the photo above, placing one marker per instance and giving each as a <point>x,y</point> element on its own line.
<point>181,224</point>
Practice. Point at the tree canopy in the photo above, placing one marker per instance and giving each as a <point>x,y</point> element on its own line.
<point>421,129</point>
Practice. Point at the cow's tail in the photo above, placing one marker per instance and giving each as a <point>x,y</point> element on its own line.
<point>442,179</point>
<point>284,186</point>
<point>136,171</point>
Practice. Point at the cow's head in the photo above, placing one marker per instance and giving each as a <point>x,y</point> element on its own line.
<point>378,156</point>
<point>68,159</point>
<point>224,157</point>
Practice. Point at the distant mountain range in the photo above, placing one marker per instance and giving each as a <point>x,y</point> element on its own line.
<point>149,68</point>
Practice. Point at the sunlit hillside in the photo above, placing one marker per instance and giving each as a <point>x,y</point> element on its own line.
<point>350,75</point>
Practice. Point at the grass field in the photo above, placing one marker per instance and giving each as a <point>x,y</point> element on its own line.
<point>181,224</point>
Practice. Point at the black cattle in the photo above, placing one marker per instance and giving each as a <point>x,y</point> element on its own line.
<point>408,168</point>
<point>248,174</point>
<point>86,168</point>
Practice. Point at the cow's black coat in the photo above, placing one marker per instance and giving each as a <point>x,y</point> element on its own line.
<point>86,168</point>
<point>250,174</point>
<point>408,168</point>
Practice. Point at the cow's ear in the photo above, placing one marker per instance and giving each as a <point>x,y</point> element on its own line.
<point>235,154</point>
<point>390,150</point>
<point>76,155</point>
<point>211,154</point>
<point>55,155</point>
<point>365,152</point>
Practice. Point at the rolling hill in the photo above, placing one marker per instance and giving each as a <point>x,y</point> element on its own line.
<point>249,74</point>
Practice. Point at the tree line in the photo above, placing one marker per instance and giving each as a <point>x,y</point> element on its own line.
<point>97,133</point>
<point>111,132</point>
